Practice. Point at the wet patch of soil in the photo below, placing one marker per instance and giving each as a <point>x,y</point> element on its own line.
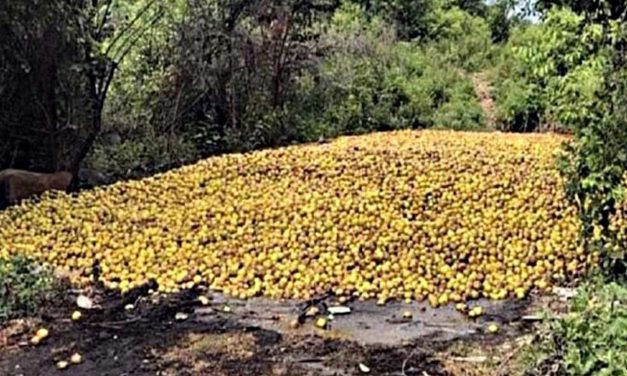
<point>229,337</point>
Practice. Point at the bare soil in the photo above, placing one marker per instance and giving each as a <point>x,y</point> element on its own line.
<point>256,337</point>
<point>483,91</point>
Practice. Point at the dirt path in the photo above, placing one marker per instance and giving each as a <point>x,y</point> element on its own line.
<point>254,337</point>
<point>483,91</point>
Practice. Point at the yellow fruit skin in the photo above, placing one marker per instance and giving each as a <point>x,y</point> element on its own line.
<point>427,215</point>
<point>475,311</point>
<point>493,328</point>
<point>42,333</point>
<point>203,300</point>
<point>321,322</point>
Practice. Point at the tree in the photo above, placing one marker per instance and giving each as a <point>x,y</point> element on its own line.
<point>597,10</point>
<point>235,68</point>
<point>503,16</point>
<point>57,61</point>
<point>412,18</point>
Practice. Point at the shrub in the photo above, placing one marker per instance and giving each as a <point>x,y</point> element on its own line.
<point>24,286</point>
<point>550,72</point>
<point>410,19</point>
<point>375,83</point>
<point>590,340</point>
<point>140,154</point>
<point>462,39</point>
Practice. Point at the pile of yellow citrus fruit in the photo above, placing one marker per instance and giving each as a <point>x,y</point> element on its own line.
<point>437,215</point>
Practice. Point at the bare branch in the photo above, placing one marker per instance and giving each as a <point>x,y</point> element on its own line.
<point>129,26</point>
<point>125,48</point>
<point>104,20</point>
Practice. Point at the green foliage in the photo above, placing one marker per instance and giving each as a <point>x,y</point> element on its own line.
<point>145,67</point>
<point>590,340</point>
<point>503,16</point>
<point>461,38</point>
<point>130,110</point>
<point>140,154</point>
<point>410,18</point>
<point>46,75</point>
<point>597,10</point>
<point>595,165</point>
<point>550,73</point>
<point>24,286</point>
<point>375,83</point>
<point>183,92</point>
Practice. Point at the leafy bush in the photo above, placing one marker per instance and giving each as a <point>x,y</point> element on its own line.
<point>550,72</point>
<point>464,40</point>
<point>590,340</point>
<point>140,154</point>
<point>186,93</point>
<point>373,82</point>
<point>595,165</point>
<point>410,19</point>
<point>24,286</point>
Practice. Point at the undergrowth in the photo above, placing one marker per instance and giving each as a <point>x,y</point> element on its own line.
<point>24,287</point>
<point>590,340</point>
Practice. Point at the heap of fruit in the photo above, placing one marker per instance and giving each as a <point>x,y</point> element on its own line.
<point>434,215</point>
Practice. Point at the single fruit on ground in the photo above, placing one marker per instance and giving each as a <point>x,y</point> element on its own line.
<point>42,333</point>
<point>76,358</point>
<point>322,322</point>
<point>493,328</point>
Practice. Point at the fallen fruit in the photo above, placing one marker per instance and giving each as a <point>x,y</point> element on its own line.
<point>294,324</point>
<point>227,309</point>
<point>407,315</point>
<point>462,307</point>
<point>62,364</point>
<point>42,333</point>
<point>312,311</point>
<point>35,340</point>
<point>322,322</point>
<point>203,300</point>
<point>76,358</point>
<point>76,315</point>
<point>475,311</point>
<point>437,215</point>
<point>493,328</point>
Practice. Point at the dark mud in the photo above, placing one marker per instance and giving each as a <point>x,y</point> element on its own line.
<point>252,338</point>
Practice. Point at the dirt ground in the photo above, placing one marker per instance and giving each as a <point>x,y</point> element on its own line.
<point>178,335</point>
